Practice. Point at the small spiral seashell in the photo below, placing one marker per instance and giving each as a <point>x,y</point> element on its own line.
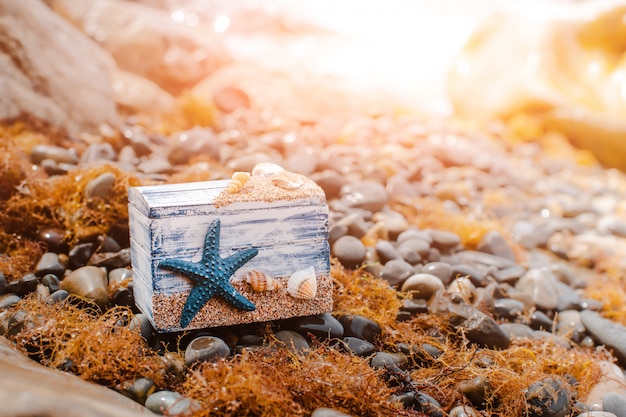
<point>302,284</point>
<point>237,182</point>
<point>287,180</point>
<point>260,281</point>
<point>263,169</point>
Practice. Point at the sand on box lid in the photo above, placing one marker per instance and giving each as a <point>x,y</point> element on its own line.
<point>192,244</point>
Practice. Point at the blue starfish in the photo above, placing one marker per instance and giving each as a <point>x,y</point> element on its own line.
<point>211,275</point>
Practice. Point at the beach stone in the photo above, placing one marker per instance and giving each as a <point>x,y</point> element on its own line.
<point>596,414</point>
<point>540,321</point>
<point>57,296</point>
<point>328,412</point>
<point>614,403</point>
<point>101,186</point>
<point>170,403</point>
<point>478,327</point>
<point>206,349</point>
<point>187,144</point>
<point>358,326</point>
<point>229,99</point>
<point>98,152</point>
<point>7,300</point>
<point>52,237</point>
<point>138,390</point>
<point>517,330</point>
<point>441,270</point>
<point>49,264</point>
<point>612,225</point>
<point>477,277</point>
<point>51,281</point>
<point>80,254</point>
<point>293,340</point>
<point>30,389</point>
<point>606,332</point>
<point>396,271</point>
<point>428,405</point>
<point>549,397</point>
<point>62,85</point>
<point>494,243</point>
<point>472,257</point>
<point>508,308</point>
<point>142,323</point>
<point>25,285</point>
<point>3,284</point>
<point>540,285</point>
<point>462,286</point>
<point>509,275</point>
<point>414,233</point>
<point>322,326</point>
<point>569,323</point>
<point>443,240</point>
<point>367,195</point>
<point>89,282</point>
<point>476,390</point>
<point>423,286</point>
<point>111,260</point>
<point>389,360</point>
<point>413,250</point>
<point>413,306</point>
<point>41,153</point>
<point>611,380</point>
<point>358,346</point>
<point>119,277</point>
<point>385,251</point>
<point>349,250</point>
<point>463,411</point>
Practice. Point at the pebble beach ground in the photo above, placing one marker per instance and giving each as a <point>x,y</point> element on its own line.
<point>473,274</point>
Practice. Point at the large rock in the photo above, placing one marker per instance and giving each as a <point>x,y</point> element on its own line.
<point>146,41</point>
<point>50,70</point>
<point>30,389</point>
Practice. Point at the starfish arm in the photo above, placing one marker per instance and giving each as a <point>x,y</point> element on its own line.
<point>212,242</point>
<point>237,260</point>
<point>235,298</point>
<point>197,298</point>
<point>189,269</point>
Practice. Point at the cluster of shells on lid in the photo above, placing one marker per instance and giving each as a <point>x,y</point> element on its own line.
<point>276,173</point>
<point>302,284</point>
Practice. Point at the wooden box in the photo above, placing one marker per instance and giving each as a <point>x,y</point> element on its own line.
<point>229,254</point>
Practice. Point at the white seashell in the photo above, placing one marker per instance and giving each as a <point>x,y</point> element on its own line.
<point>237,182</point>
<point>287,180</point>
<point>263,169</point>
<point>260,281</point>
<point>303,284</point>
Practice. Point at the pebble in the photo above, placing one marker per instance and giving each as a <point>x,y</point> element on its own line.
<point>187,144</point>
<point>443,240</point>
<point>614,403</point>
<point>508,308</point>
<point>477,277</point>
<point>322,326</point>
<point>509,275</point>
<point>49,263</point>
<point>611,380</point>
<point>441,270</point>
<point>55,153</point>
<point>549,397</point>
<point>596,414</point>
<point>170,403</point>
<point>367,195</point>
<point>517,331</point>
<point>3,284</point>
<point>463,411</point>
<point>476,390</point>
<point>482,258</point>
<point>428,405</point>
<point>206,349</point>
<point>293,340</point>
<point>142,323</point>
<point>606,332</point>
<point>138,390</point>
<point>229,99</point>
<point>119,277</point>
<point>569,324</point>
<point>462,286</point>
<point>494,243</point>
<point>349,250</point>
<point>359,326</point>
<point>53,238</point>
<point>385,251</point>
<point>57,296</point>
<point>100,187</point>
<point>7,300</point>
<point>540,286</point>
<point>396,271</point>
<point>413,250</point>
<point>358,346</point>
<point>25,285</point>
<point>98,152</point>
<point>89,282</point>
<point>389,360</point>
<point>51,281</point>
<point>328,412</point>
<point>422,286</point>
<point>80,254</point>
